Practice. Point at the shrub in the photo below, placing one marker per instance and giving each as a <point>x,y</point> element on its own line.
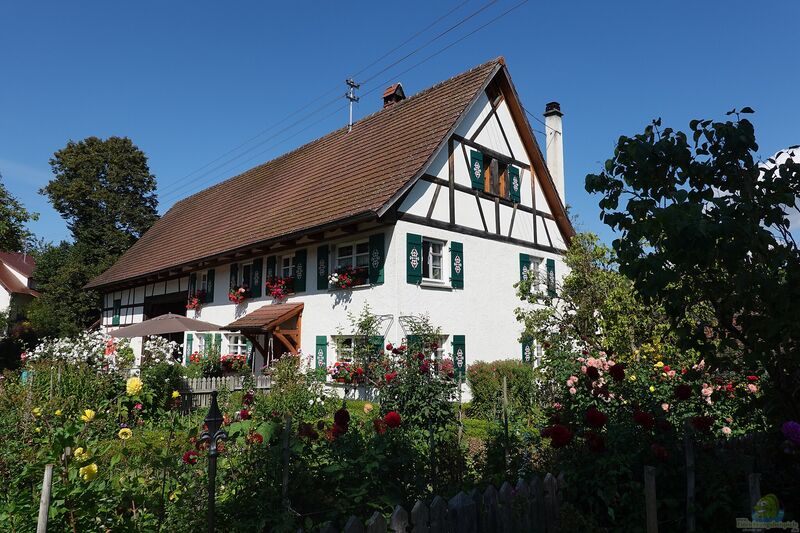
<point>162,379</point>
<point>486,384</point>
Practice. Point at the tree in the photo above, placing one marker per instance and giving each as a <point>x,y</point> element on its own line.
<point>105,191</point>
<point>705,224</point>
<point>14,237</point>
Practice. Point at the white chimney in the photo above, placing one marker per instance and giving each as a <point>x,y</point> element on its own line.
<point>555,146</point>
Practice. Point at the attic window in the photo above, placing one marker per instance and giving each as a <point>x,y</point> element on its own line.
<point>495,177</point>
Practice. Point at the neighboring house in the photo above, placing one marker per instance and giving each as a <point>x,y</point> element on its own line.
<point>439,202</point>
<point>16,287</point>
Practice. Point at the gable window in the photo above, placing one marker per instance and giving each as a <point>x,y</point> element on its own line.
<point>354,255</point>
<point>432,264</point>
<point>495,177</point>
<point>287,266</point>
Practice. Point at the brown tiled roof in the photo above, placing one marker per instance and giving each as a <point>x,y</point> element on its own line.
<point>22,263</point>
<point>338,177</point>
<point>266,317</point>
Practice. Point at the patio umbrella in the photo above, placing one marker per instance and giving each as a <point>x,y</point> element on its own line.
<point>169,323</point>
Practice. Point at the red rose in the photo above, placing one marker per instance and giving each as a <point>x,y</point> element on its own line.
<point>420,356</point>
<point>256,438</point>
<point>646,420</point>
<point>359,371</point>
<point>342,418</point>
<point>559,435</point>
<point>617,371</point>
<point>379,425</point>
<point>392,419</point>
<point>729,387</point>
<point>389,347</point>
<point>665,368</point>
<point>659,452</point>
<point>595,442</point>
<point>595,418</point>
<point>390,376</point>
<point>424,367</point>
<point>752,378</point>
<point>244,414</point>
<point>683,392</point>
<point>190,457</point>
<point>702,423</point>
<point>593,373</point>
<point>684,371</point>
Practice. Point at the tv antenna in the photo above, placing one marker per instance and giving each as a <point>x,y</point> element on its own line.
<point>351,95</point>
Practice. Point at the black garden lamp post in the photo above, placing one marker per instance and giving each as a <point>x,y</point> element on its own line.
<point>213,434</point>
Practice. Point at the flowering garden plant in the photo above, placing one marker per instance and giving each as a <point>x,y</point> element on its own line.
<point>279,287</point>
<point>233,363</point>
<point>238,294</point>
<point>346,372</point>
<point>196,300</point>
<point>348,277</point>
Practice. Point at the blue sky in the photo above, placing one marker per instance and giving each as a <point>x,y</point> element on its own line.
<point>189,81</point>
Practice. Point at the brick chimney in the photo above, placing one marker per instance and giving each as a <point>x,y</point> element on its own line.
<point>555,146</point>
<point>392,94</point>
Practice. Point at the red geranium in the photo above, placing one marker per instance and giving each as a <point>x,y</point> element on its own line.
<point>595,442</point>
<point>665,369</point>
<point>659,452</point>
<point>190,457</point>
<point>595,418</point>
<point>559,435</point>
<point>392,419</point>
<point>683,392</point>
<point>389,347</point>
<point>646,420</point>
<point>424,367</point>
<point>617,371</point>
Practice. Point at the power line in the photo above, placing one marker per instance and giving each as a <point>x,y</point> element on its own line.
<point>537,119</point>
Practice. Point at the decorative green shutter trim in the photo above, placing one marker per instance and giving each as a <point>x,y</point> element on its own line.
<point>476,169</point>
<point>551,277</point>
<point>218,342</point>
<point>457,265</point>
<point>322,267</point>
<point>210,285</point>
<point>377,257</point>
<point>257,283</point>
<point>192,284</point>
<point>117,311</point>
<point>524,266</point>
<point>514,183</point>
<point>413,258</point>
<point>300,272</point>
<point>189,340</point>
<point>459,356</point>
<point>321,353</point>
<point>271,266</point>
<point>527,351</point>
<point>208,342</point>
<point>234,274</point>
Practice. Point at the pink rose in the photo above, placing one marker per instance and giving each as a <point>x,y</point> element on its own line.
<point>583,369</point>
<point>665,406</point>
<point>572,390</point>
<point>752,388</point>
<point>726,431</point>
<point>138,407</point>
<point>671,373</point>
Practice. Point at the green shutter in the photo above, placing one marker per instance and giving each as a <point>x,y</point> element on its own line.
<point>524,266</point>
<point>192,284</point>
<point>234,274</point>
<point>459,356</point>
<point>300,272</point>
<point>514,183</point>
<point>414,258</point>
<point>377,257</point>
<point>321,354</point>
<point>117,311</point>
<point>189,340</point>
<point>208,343</point>
<point>414,344</point>
<point>218,342</point>
<point>271,273</point>
<point>255,273</point>
<point>376,346</point>
<point>551,277</point>
<point>457,265</point>
<point>210,285</point>
<point>527,351</point>
<point>322,267</point>
<point>476,169</point>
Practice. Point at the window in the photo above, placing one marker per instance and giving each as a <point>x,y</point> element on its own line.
<point>534,270</point>
<point>237,344</point>
<point>203,282</point>
<point>246,275</point>
<point>344,348</point>
<point>354,255</point>
<point>432,264</point>
<point>287,266</point>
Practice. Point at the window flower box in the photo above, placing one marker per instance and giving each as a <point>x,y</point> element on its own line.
<point>348,277</point>
<point>280,287</point>
<point>345,372</point>
<point>196,300</point>
<point>238,294</point>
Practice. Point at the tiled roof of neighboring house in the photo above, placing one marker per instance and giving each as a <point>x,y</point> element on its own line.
<point>22,263</point>
<point>265,317</point>
<point>12,283</point>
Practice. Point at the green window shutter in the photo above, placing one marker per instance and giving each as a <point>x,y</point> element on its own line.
<point>514,183</point>
<point>321,353</point>
<point>377,257</point>
<point>414,258</point>
<point>476,169</point>
<point>524,266</point>
<point>551,277</point>
<point>192,284</point>
<point>414,344</point>
<point>300,272</point>
<point>210,285</point>
<point>457,265</point>
<point>271,267</point>
<point>256,283</point>
<point>459,356</point>
<point>218,342</point>
<point>208,342</point>
<point>322,267</point>
<point>376,346</point>
<point>117,311</point>
<point>234,274</point>
<point>527,351</point>
<point>189,340</point>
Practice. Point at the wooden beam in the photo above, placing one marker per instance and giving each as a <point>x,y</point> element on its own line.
<point>495,155</point>
<point>292,346</point>
<point>451,175</point>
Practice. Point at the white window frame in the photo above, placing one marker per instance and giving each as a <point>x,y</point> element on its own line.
<point>203,282</point>
<point>283,267</point>
<point>426,279</point>
<point>237,343</point>
<point>240,279</point>
<point>353,257</point>
<point>201,343</point>
<point>341,350</point>
<point>536,270</point>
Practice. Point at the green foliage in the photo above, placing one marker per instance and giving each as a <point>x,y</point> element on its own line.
<point>295,393</point>
<point>486,384</point>
<point>163,379</point>
<point>14,235</point>
<point>702,223</point>
<point>367,341</point>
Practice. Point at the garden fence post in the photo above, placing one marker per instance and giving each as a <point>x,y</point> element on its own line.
<point>537,504</point>
<point>285,458</point>
<point>551,503</point>
<point>213,434</point>
<point>44,502</point>
<point>376,523</point>
<point>353,525</point>
<point>650,499</point>
<point>505,512</point>
<point>490,509</point>
<point>419,518</point>
<point>505,422</point>
<point>524,506</point>
<point>462,514</point>
<point>438,515</point>
<point>398,523</point>
<point>690,481</point>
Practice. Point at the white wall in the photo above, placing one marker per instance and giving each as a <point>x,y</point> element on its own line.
<point>5,299</point>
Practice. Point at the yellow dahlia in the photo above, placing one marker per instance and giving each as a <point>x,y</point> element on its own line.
<point>176,394</point>
<point>125,433</point>
<point>81,454</point>
<point>88,472</point>
<point>134,386</point>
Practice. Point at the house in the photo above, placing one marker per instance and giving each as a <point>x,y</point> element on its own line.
<point>438,203</point>
<point>16,287</point>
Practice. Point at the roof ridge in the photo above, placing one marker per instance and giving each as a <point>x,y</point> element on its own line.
<point>394,107</point>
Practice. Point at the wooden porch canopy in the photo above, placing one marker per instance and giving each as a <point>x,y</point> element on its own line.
<point>269,319</point>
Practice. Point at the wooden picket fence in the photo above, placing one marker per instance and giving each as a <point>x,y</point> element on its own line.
<point>196,392</point>
<point>529,506</point>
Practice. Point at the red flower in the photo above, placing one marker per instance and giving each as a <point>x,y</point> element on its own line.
<point>255,438</point>
<point>646,420</point>
<point>684,371</point>
<point>593,373</point>
<point>392,419</point>
<point>389,347</point>
<point>306,430</point>
<point>595,418</point>
<point>665,368</point>
<point>595,442</point>
<point>342,418</point>
<point>190,457</point>
<point>424,367</point>
<point>420,356</point>
<point>390,376</point>
<point>248,398</point>
<point>729,387</point>
<point>659,452</point>
<point>360,371</point>
<point>244,414</point>
<point>702,423</point>
<point>617,371</point>
<point>752,378</point>
<point>683,392</point>
<point>559,435</point>
<point>379,425</point>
